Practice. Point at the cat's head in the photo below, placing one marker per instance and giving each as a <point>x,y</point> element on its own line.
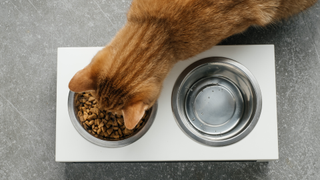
<point>118,86</point>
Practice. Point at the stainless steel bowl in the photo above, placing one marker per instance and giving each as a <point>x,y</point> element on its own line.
<point>106,143</point>
<point>216,101</point>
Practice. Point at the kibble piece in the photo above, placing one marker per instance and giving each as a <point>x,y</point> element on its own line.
<point>85,115</point>
<point>77,103</point>
<point>87,122</point>
<point>98,131</point>
<point>98,121</point>
<point>116,135</point>
<point>105,134</point>
<point>92,116</point>
<point>111,116</point>
<point>101,115</point>
<point>120,121</point>
<point>109,131</point>
<point>101,125</point>
<point>120,132</point>
<point>94,110</point>
<point>139,124</point>
<point>115,123</point>
<point>91,99</point>
<point>91,122</point>
<point>112,135</point>
<point>81,119</point>
<point>109,123</point>
<point>127,131</point>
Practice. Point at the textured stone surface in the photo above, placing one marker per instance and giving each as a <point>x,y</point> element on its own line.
<point>31,31</point>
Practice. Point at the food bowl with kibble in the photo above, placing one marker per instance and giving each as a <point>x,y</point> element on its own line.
<point>103,128</point>
<point>216,101</point>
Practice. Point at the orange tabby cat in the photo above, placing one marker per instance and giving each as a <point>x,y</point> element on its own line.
<point>128,73</point>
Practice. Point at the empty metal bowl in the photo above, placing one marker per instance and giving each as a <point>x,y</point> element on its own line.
<point>105,143</point>
<point>216,101</point>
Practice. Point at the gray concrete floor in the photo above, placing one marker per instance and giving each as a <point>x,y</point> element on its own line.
<point>32,30</point>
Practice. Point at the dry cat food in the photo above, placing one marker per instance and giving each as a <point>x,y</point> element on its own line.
<point>100,123</point>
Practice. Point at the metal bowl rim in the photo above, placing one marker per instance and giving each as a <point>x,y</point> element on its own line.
<point>105,143</point>
<point>182,123</point>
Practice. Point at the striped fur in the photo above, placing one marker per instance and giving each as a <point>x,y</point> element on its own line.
<point>130,70</point>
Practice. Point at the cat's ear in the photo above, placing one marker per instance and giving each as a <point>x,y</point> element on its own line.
<point>133,113</point>
<point>82,81</point>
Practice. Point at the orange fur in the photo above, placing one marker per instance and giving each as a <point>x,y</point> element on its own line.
<point>128,73</point>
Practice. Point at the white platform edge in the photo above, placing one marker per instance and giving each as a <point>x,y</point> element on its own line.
<point>159,145</point>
